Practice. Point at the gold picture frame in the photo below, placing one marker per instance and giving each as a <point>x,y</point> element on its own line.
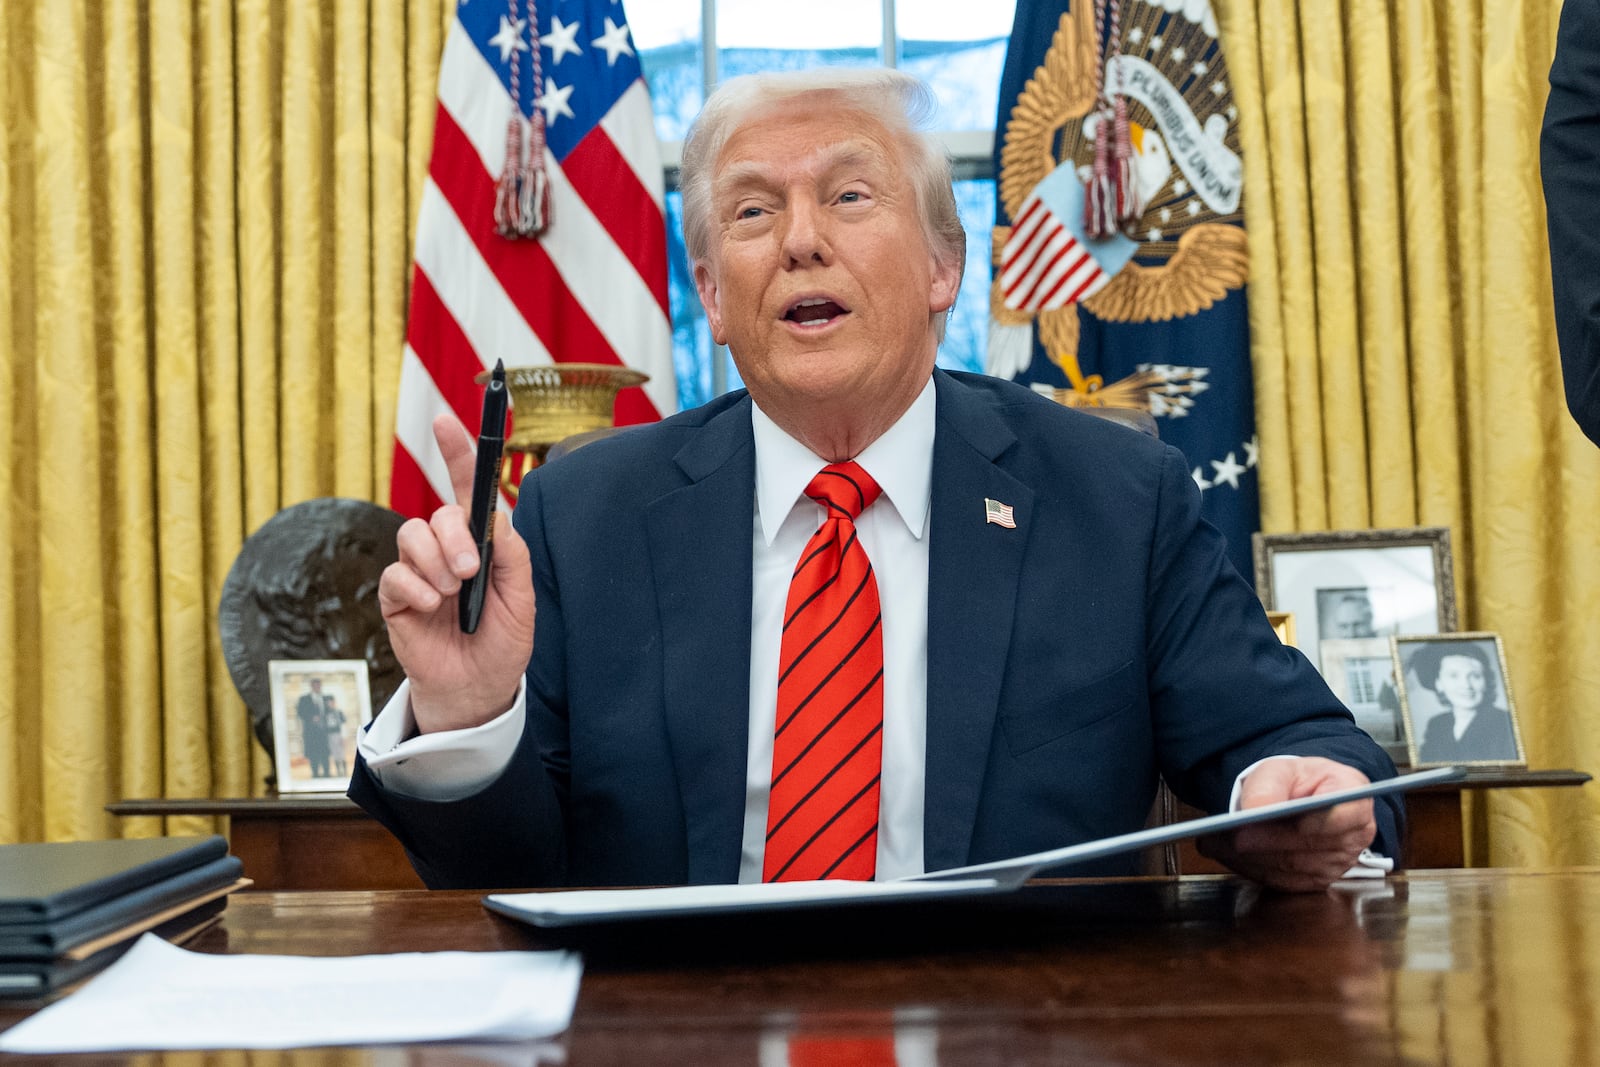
<point>318,710</point>
<point>1344,584</point>
<point>1438,672</point>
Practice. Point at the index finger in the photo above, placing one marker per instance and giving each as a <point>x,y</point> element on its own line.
<point>460,454</point>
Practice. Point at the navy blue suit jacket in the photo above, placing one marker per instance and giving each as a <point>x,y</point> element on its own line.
<point>1569,161</point>
<point>1103,641</point>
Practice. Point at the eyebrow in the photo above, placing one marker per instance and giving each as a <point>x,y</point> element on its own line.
<point>833,157</point>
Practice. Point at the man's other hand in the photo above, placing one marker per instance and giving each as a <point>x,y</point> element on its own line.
<point>458,680</point>
<point>1303,854</point>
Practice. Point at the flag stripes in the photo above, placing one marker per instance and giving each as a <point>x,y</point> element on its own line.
<point>1043,266</point>
<point>592,288</point>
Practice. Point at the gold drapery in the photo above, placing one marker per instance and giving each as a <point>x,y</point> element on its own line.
<point>206,227</point>
<point>207,214</point>
<point>1405,354</point>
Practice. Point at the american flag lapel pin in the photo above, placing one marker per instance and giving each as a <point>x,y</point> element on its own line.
<point>999,514</point>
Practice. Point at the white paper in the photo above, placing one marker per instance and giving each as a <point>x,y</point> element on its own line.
<point>159,996</point>
<point>555,909</point>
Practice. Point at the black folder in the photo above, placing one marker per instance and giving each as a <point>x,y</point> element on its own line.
<point>44,882</point>
<point>45,939</point>
<point>28,979</point>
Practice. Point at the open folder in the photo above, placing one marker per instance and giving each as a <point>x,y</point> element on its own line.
<point>590,906</point>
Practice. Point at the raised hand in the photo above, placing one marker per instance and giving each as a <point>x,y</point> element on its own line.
<point>457,680</point>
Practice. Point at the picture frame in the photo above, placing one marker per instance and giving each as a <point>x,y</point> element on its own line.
<point>1361,673</point>
<point>1344,584</point>
<point>318,710</point>
<point>1282,625</point>
<point>1438,673</point>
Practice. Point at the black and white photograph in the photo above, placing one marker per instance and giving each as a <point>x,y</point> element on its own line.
<point>1455,698</point>
<point>1357,584</point>
<point>1360,671</point>
<point>318,709</point>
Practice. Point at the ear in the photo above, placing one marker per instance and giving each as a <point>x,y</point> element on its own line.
<point>705,283</point>
<point>943,286</point>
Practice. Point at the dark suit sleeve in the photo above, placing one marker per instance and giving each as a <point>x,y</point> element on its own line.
<point>1224,690</point>
<point>1569,160</point>
<point>512,833</point>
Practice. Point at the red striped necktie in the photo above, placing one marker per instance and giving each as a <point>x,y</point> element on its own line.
<point>822,816</point>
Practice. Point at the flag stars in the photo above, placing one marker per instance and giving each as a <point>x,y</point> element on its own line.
<point>509,39</point>
<point>1166,214</point>
<point>1199,69</point>
<point>561,40</point>
<point>554,101</point>
<point>614,41</point>
<point>1154,234</point>
<point>1227,470</point>
<point>1219,87</point>
<point>1233,113</point>
<point>1200,479</point>
<point>1193,208</point>
<point>1179,186</point>
<point>1157,42</point>
<point>1136,35</point>
<point>1179,54</point>
<point>1252,451</point>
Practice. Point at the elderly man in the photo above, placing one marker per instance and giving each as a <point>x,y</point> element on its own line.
<point>867,619</point>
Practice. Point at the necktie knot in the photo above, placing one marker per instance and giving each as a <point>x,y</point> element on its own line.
<point>843,487</point>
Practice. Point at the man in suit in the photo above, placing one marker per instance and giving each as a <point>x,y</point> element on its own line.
<point>1569,163</point>
<point>313,729</point>
<point>1058,625</point>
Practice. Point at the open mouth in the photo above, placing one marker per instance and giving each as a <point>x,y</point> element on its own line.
<point>814,311</point>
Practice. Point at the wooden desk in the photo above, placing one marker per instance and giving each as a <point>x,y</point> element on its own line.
<point>306,842</point>
<point>1461,967</point>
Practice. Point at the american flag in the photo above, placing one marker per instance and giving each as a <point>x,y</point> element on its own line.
<point>999,514</point>
<point>592,288</point>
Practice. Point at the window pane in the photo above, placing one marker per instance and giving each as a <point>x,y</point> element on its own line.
<point>812,25</point>
<point>691,333</point>
<point>959,50</point>
<point>667,36</point>
<point>758,35</point>
<point>966,335</point>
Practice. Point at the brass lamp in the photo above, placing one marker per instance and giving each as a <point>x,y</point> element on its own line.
<point>553,401</point>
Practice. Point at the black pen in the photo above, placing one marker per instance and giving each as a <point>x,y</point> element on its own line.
<point>485,495</point>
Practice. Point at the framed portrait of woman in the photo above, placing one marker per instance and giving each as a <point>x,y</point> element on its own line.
<point>1455,698</point>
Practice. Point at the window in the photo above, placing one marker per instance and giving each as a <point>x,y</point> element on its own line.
<point>957,48</point>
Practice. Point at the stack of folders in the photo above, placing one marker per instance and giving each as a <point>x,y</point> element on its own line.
<point>69,908</point>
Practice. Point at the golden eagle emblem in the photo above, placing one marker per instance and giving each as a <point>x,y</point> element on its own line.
<point>1188,240</point>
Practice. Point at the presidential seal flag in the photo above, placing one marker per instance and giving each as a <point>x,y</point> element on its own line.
<point>541,237</point>
<point>1119,255</point>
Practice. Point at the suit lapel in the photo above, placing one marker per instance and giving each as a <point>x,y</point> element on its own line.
<point>700,545</point>
<point>974,567</point>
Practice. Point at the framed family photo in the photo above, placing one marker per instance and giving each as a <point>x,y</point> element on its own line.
<point>1357,584</point>
<point>318,709</point>
<point>1455,697</point>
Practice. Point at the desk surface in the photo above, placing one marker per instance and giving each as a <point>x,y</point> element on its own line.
<point>1471,966</point>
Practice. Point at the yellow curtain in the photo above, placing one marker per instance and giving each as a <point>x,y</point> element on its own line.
<point>1405,354</point>
<point>205,220</point>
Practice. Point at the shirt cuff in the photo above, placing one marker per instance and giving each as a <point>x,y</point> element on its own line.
<point>1369,864</point>
<point>442,766</point>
